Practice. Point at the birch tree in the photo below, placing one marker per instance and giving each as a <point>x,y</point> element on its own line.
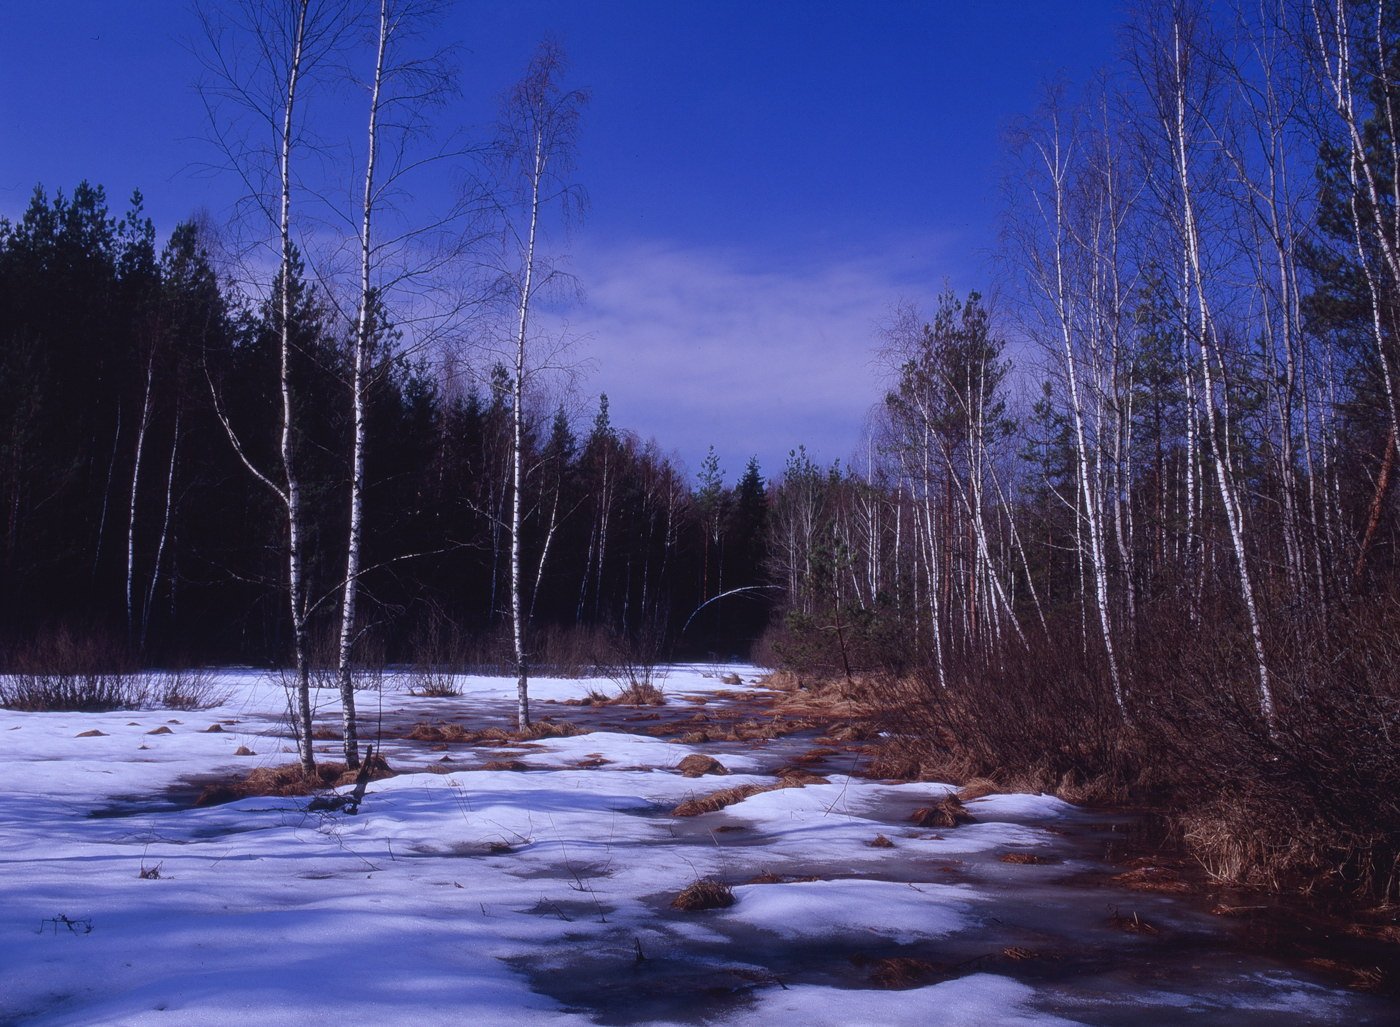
<point>539,127</point>
<point>402,87</point>
<point>260,55</point>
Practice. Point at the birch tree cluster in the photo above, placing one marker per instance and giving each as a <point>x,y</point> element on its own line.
<point>1147,496</point>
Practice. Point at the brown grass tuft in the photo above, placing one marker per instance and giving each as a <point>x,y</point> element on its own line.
<point>794,777</point>
<point>639,693</point>
<point>718,800</point>
<point>422,732</point>
<point>949,812</point>
<point>698,765</point>
<point>1025,859</point>
<point>1131,923</point>
<point>977,788</point>
<point>243,750</point>
<point>901,972</point>
<point>504,765</point>
<point>287,780</point>
<point>1154,879</point>
<point>880,842</point>
<point>706,893</point>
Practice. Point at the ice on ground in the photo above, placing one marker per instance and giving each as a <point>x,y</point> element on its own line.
<point>972,1001</point>
<point>818,909</point>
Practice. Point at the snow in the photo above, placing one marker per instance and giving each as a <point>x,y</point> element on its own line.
<point>479,895</point>
<point>814,909</point>
<point>973,1001</point>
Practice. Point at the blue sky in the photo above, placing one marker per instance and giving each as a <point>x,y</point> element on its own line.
<point>766,179</point>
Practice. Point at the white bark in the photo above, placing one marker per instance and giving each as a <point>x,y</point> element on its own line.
<point>164,529</point>
<point>131,508</point>
<point>360,347</point>
<point>1205,330</point>
<point>296,586</point>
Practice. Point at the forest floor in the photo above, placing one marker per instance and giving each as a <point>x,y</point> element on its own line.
<point>494,881</point>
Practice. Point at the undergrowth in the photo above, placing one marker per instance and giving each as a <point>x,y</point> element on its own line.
<point>1310,804</point>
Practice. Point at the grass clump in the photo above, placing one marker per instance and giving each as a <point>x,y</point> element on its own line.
<point>706,893</point>
<point>718,800</point>
<point>698,765</point>
<point>948,812</point>
<point>289,780</point>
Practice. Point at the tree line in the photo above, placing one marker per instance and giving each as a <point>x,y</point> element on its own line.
<point>128,512</point>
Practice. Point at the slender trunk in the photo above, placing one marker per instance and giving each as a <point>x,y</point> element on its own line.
<point>1373,517</point>
<point>131,508</point>
<point>1220,446</point>
<point>1089,509</point>
<point>295,580</point>
<point>360,356</point>
<point>164,531</point>
<point>517,485</point>
<point>106,499</point>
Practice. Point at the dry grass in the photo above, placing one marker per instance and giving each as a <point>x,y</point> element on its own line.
<point>288,780</point>
<point>706,893</point>
<point>640,693</point>
<point>1149,877</point>
<point>449,733</point>
<point>880,842</point>
<point>795,777</point>
<point>504,765</point>
<point>698,765</point>
<point>902,972</point>
<point>977,788</point>
<point>1025,859</point>
<point>948,812</point>
<point>1131,923</point>
<point>716,801</point>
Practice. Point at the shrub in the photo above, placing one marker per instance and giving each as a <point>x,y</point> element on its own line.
<point>630,661</point>
<point>186,690</point>
<point>88,692</point>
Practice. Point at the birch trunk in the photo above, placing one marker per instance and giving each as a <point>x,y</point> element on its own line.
<point>295,571</point>
<point>517,482</point>
<point>360,356</point>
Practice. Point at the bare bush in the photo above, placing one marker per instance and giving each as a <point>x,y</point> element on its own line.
<point>1046,721</point>
<point>1313,803</point>
<point>89,692</point>
<point>186,690</point>
<point>631,661</point>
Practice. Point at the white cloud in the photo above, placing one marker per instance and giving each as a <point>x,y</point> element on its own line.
<point>699,346</point>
